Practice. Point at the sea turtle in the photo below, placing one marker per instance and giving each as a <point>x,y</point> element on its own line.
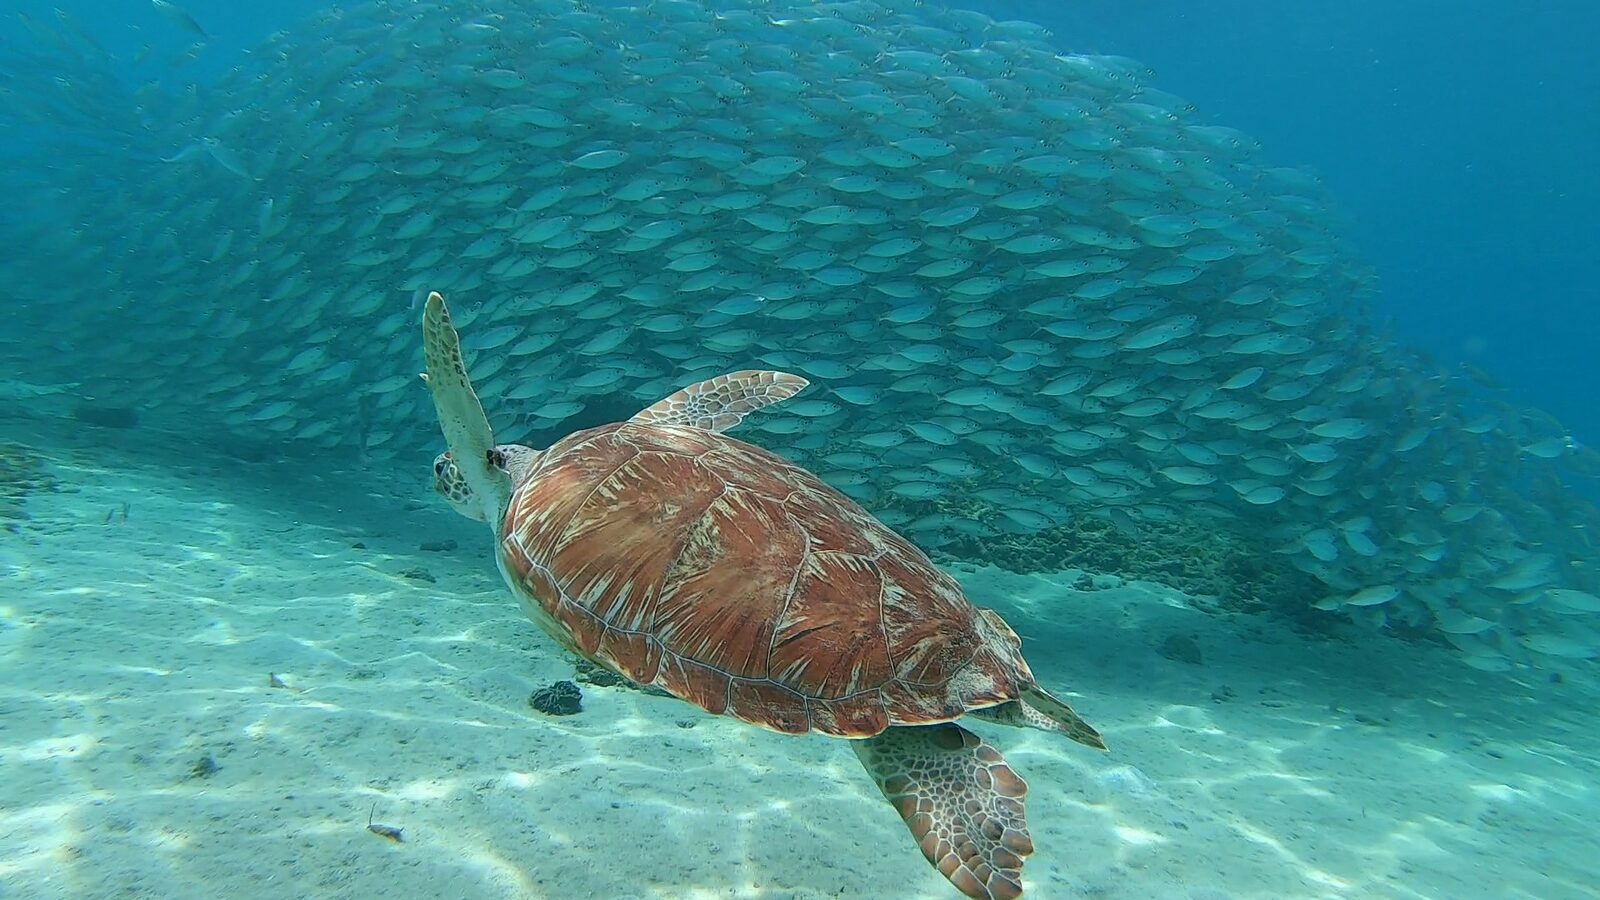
<point>733,579</point>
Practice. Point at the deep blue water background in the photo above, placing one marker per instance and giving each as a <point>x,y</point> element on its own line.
<point>1460,136</point>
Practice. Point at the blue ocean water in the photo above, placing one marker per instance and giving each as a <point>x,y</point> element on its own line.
<point>1457,136</point>
<point>238,625</point>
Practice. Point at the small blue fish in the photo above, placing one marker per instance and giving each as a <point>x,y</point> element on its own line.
<point>180,17</point>
<point>214,149</point>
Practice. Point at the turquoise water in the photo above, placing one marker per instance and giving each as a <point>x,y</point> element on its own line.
<point>1147,388</point>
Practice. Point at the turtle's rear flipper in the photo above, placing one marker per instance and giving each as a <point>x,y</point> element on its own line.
<point>1038,704</point>
<point>961,801</point>
<point>1037,709</point>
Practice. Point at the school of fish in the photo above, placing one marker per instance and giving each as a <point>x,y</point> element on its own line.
<point>1026,284</point>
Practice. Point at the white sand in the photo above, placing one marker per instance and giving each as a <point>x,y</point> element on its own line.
<point>1364,767</point>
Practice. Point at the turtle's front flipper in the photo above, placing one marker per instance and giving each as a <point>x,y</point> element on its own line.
<point>961,801</point>
<point>466,428</point>
<point>722,402</point>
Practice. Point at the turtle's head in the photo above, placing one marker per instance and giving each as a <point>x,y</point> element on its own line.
<point>513,459</point>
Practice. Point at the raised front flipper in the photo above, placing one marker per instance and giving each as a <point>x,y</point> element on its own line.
<point>466,428</point>
<point>961,801</point>
<point>722,402</point>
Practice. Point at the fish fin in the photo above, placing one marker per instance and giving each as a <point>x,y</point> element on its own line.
<point>185,153</point>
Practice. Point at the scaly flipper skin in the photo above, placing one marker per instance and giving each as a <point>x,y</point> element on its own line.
<point>961,801</point>
<point>720,403</point>
<point>466,428</point>
<point>1043,711</point>
<point>1038,709</point>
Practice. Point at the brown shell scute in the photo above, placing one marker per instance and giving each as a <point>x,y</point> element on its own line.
<point>825,611</point>
<point>741,583</point>
<point>730,584</point>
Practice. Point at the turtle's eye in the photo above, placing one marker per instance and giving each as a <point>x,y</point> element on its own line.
<point>438,468</point>
<point>497,458</point>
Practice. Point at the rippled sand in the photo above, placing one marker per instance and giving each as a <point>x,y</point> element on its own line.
<point>146,750</point>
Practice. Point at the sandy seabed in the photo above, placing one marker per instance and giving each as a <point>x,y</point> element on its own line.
<point>208,699</point>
